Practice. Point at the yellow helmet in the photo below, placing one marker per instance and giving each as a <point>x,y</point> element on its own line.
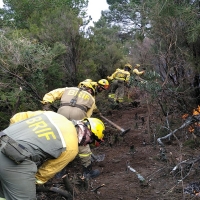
<point>128,65</point>
<point>96,126</point>
<point>85,85</point>
<point>103,83</point>
<point>137,65</point>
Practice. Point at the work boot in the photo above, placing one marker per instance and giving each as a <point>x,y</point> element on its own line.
<point>88,172</point>
<point>92,174</point>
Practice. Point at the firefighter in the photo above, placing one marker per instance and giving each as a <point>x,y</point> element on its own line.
<point>76,104</point>
<point>119,79</point>
<point>98,86</point>
<point>40,139</point>
<point>138,73</point>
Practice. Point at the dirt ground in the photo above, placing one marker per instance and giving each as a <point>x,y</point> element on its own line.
<point>154,178</point>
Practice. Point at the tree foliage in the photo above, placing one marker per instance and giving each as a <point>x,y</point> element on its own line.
<point>17,13</point>
<point>22,70</point>
<point>108,49</point>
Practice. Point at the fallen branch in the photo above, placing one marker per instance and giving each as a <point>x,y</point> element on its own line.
<point>187,122</point>
<point>68,185</point>
<point>95,190</point>
<point>187,163</point>
<point>62,192</point>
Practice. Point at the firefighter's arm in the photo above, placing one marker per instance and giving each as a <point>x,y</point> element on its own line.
<point>112,76</point>
<point>127,78</point>
<point>49,168</point>
<point>53,95</point>
<point>96,110</point>
<point>24,115</point>
<point>90,111</point>
<point>109,78</point>
<point>136,71</point>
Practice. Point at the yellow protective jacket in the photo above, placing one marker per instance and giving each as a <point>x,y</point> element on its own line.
<point>58,93</point>
<point>120,74</point>
<point>52,166</point>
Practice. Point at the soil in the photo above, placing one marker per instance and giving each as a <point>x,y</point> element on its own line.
<point>154,178</point>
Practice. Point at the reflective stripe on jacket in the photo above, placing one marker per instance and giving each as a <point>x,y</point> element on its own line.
<point>84,155</point>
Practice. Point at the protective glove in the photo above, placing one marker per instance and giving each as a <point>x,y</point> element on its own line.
<point>96,113</point>
<point>108,77</point>
<point>38,182</point>
<point>46,106</point>
<point>39,185</point>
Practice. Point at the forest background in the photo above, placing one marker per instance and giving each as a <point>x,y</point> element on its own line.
<point>46,44</point>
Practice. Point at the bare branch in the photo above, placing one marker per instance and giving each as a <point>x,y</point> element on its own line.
<point>187,122</point>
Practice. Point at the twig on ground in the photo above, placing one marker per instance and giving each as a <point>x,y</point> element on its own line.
<point>189,163</point>
<point>152,175</point>
<point>95,190</point>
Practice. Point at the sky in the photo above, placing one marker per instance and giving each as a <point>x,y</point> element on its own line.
<point>94,8</point>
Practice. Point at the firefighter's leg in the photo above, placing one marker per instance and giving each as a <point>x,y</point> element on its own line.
<point>120,97</point>
<point>85,155</point>
<point>17,180</point>
<point>86,160</point>
<point>1,192</point>
<point>114,86</point>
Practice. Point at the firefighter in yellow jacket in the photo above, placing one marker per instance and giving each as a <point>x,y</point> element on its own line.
<point>41,137</point>
<point>119,79</point>
<point>76,104</point>
<point>138,73</point>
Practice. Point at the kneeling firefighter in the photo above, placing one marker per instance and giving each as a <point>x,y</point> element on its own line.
<point>45,139</point>
<point>76,103</point>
